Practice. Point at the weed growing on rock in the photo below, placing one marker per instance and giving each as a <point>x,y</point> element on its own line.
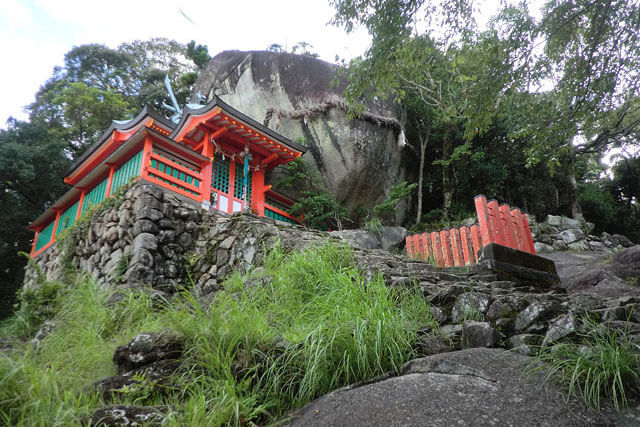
<point>268,343</point>
<point>605,363</point>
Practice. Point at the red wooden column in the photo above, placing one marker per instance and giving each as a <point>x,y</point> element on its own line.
<point>206,170</point>
<point>35,240</point>
<point>55,224</point>
<point>446,248</point>
<point>83,193</point>
<point>112,170</point>
<point>147,148</point>
<point>258,192</point>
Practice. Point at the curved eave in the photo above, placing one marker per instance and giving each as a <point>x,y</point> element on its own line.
<point>190,113</point>
<point>147,114</point>
<point>117,157</point>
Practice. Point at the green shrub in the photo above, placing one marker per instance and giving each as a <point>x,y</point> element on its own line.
<point>605,363</point>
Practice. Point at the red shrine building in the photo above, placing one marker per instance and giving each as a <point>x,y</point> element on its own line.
<point>214,155</point>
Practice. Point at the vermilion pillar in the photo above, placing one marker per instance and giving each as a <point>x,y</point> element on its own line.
<point>258,192</point>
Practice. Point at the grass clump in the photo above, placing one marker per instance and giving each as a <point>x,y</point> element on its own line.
<point>265,345</point>
<point>603,364</point>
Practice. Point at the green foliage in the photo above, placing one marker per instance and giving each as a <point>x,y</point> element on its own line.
<point>316,204</point>
<point>604,364</point>
<point>267,344</point>
<point>88,112</point>
<point>32,165</point>
<point>398,193</point>
<point>374,225</point>
<point>199,54</point>
<point>608,212</point>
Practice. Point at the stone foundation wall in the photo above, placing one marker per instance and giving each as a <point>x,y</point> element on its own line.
<point>149,236</point>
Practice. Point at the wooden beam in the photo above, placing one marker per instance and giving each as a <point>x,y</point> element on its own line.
<point>219,132</point>
<point>189,141</point>
<point>269,159</point>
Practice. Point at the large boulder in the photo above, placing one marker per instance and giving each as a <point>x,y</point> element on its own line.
<point>478,386</point>
<point>359,158</point>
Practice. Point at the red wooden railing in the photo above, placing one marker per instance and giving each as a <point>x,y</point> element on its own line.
<point>456,247</point>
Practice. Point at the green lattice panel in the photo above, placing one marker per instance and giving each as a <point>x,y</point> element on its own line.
<point>95,196</point>
<point>127,171</point>
<point>275,215</point>
<point>67,218</point>
<point>220,175</point>
<point>239,180</point>
<point>45,236</point>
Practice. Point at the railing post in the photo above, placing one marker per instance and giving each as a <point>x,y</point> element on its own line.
<point>516,219</point>
<point>437,248</point>
<point>467,249</point>
<point>456,247</point>
<point>495,224</point>
<point>476,238</point>
<point>426,245</point>
<point>484,220</point>
<point>528,238</point>
<point>446,248</point>
<point>409,245</point>
<point>509,231</point>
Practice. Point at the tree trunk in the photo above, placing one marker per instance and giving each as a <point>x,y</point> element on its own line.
<point>447,187</point>
<point>424,141</point>
<point>576,210</point>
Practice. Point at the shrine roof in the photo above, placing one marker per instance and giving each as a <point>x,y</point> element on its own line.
<point>125,125</point>
<point>190,111</point>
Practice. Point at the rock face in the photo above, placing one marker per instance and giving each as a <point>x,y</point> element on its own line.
<point>359,159</point>
<point>470,387</point>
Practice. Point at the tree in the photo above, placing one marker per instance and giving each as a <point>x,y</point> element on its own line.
<point>199,54</point>
<point>32,166</point>
<point>98,84</point>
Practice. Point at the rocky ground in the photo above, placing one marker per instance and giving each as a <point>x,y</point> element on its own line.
<point>467,377</point>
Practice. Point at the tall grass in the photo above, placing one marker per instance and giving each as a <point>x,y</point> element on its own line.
<point>603,364</point>
<point>266,345</point>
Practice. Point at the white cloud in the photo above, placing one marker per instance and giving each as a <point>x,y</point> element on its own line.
<point>37,33</point>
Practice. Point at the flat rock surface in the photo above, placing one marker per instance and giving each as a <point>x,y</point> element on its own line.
<point>597,273</point>
<point>570,264</point>
<point>478,386</point>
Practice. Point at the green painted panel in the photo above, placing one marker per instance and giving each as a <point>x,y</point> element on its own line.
<point>68,218</point>
<point>275,215</point>
<point>239,180</point>
<point>220,175</point>
<point>127,171</point>
<point>95,196</point>
<point>45,236</point>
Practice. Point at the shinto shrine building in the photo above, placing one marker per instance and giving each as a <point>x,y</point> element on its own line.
<point>214,155</point>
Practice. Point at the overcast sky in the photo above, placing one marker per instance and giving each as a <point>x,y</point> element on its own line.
<point>35,34</point>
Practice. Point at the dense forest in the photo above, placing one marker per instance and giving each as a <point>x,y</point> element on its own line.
<point>72,109</point>
<point>524,110</point>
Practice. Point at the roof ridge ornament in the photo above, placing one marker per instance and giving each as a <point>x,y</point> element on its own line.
<point>175,109</point>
